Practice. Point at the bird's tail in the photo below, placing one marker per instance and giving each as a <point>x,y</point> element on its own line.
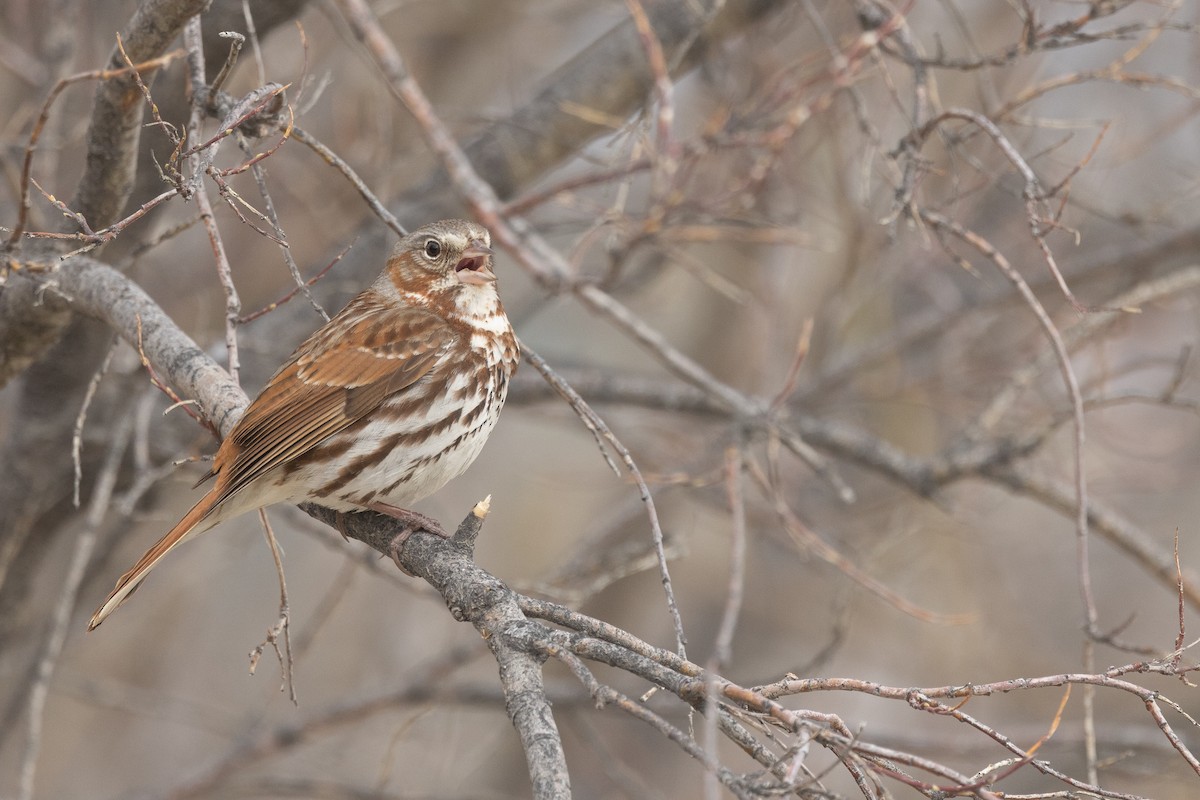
<point>183,530</point>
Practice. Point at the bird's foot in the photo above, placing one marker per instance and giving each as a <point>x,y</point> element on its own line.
<point>413,522</point>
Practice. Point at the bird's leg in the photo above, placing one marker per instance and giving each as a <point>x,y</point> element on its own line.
<point>413,522</point>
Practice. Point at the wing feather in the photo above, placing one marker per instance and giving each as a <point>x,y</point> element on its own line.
<point>367,353</point>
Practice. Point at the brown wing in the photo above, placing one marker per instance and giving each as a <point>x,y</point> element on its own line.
<point>342,372</point>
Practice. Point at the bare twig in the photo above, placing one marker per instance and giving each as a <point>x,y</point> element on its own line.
<point>39,125</point>
<point>77,436</point>
<point>723,644</point>
<point>337,162</point>
<point>282,629</point>
<point>67,596</point>
<point>1075,396</point>
<point>598,427</point>
<point>199,161</point>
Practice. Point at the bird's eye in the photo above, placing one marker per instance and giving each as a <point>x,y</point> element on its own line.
<point>433,248</point>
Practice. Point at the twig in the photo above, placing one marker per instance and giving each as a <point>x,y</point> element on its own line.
<point>260,179</point>
<point>255,44</point>
<point>198,160</point>
<point>723,644</point>
<point>166,127</point>
<point>803,341</point>
<point>282,627</point>
<point>337,162</point>
<point>67,596</point>
<point>1110,678</point>
<point>736,497</point>
<point>598,427</point>
<point>176,401</point>
<point>1074,395</point>
<point>303,286</point>
<point>810,541</point>
<point>236,40</point>
<point>666,162</point>
<point>77,433</point>
<point>39,125</point>
<point>605,695</point>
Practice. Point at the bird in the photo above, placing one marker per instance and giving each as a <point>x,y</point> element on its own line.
<point>377,409</point>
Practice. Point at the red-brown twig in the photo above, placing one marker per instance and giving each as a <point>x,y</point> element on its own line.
<point>267,309</point>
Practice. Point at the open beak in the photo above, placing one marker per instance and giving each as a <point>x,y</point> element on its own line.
<point>475,265</point>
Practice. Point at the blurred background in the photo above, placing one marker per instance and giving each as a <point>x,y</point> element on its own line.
<point>783,234</point>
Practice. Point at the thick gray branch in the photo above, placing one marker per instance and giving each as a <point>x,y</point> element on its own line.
<point>99,291</point>
<point>475,595</point>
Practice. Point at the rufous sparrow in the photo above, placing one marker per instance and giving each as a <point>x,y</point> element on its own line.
<point>377,409</point>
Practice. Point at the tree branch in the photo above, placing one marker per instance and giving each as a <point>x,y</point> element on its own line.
<point>474,595</point>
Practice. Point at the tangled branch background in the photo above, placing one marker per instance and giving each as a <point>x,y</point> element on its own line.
<point>854,454</point>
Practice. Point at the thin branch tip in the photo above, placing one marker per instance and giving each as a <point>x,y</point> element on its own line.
<point>482,508</point>
<point>468,530</point>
